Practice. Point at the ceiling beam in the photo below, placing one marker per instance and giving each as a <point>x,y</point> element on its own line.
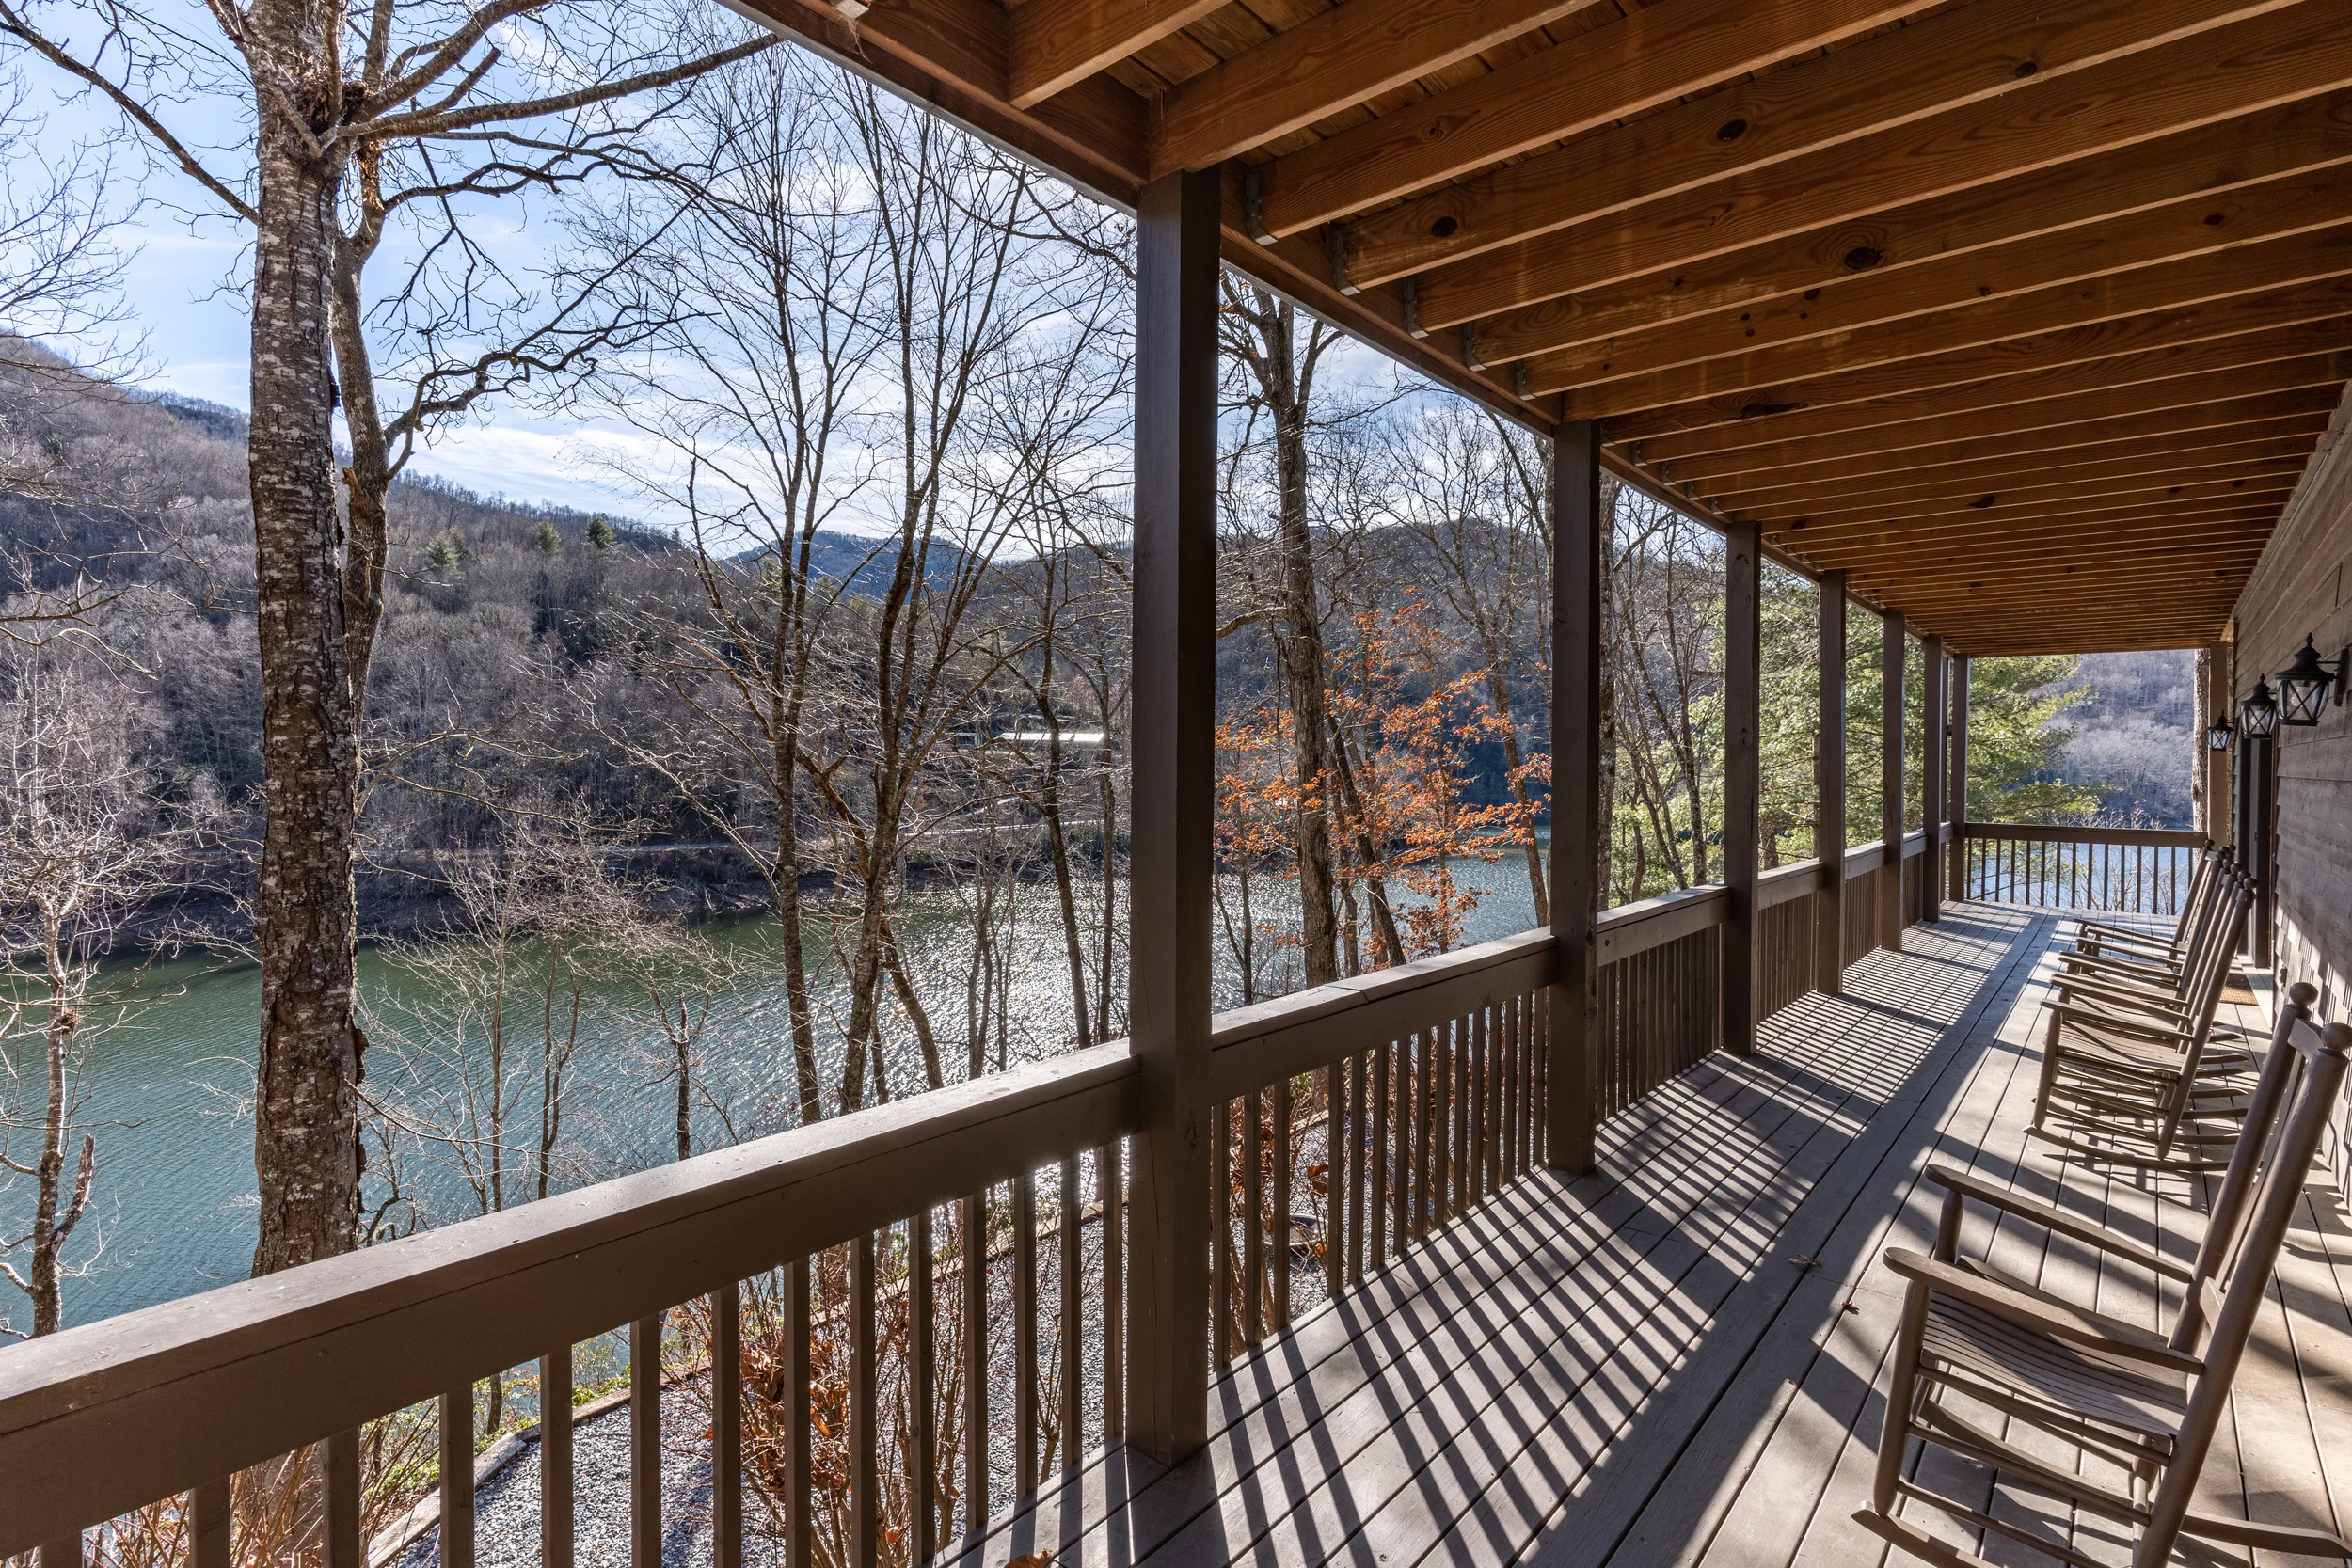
<point>2103,503</point>
<point>1331,61</point>
<point>2170,458</point>
<point>2329,370</point>
<point>2298,204</point>
<point>2100,88</point>
<point>2143,374</point>
<point>2194,165</point>
<point>1058,44</point>
<point>2272,264</point>
<point>1647,59</point>
<point>2071,350</point>
<point>2190,527</point>
<point>2088,438</point>
<point>2192,562</point>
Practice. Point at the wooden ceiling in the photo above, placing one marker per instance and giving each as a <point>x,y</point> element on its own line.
<point>2026,313</point>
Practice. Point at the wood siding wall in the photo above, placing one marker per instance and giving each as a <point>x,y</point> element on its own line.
<point>2303,585</point>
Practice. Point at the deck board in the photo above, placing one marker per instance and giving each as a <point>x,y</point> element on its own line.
<point>1674,1360</point>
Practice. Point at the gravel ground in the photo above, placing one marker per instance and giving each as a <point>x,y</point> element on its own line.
<point>507,1507</point>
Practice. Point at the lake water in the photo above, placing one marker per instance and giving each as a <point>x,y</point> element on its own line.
<point>168,1092</point>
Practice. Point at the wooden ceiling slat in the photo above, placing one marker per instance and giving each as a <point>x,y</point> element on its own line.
<point>2086,440</point>
<point>2322,371</point>
<point>2155,457</point>
<point>2092,534</point>
<point>2197,163</point>
<point>1057,43</point>
<point>1650,57</point>
<point>2162,376</point>
<point>2235,486</point>
<point>1641,218</point>
<point>2271,265</point>
<point>1340,57</point>
<point>2179,232</point>
<point>1935,586</point>
<point>2077,349</point>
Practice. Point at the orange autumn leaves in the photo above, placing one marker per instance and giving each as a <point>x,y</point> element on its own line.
<point>1406,722</point>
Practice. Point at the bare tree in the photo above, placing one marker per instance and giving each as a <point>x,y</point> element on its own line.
<point>408,111</point>
<point>86,843</point>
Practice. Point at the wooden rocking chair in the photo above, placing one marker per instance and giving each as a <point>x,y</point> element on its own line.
<point>2148,1404</point>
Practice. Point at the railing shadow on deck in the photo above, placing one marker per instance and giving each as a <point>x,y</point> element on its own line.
<point>1386,1106</point>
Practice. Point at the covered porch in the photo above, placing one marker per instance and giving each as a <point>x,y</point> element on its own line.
<point>1680,1356</point>
<point>2018,327</point>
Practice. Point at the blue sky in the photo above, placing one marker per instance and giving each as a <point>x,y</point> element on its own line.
<point>182,288</point>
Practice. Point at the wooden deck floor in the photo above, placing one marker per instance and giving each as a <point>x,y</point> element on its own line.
<point>1672,1360</point>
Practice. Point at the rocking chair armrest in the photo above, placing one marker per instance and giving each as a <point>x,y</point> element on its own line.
<point>2129,969</point>
<point>2050,1217</point>
<point>2126,935</point>
<point>2148,1030</point>
<point>2076,1326</point>
<point>2089,987</point>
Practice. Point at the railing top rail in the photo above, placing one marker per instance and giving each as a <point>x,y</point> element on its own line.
<point>103,1419</point>
<point>1631,928</point>
<point>1262,1044</point>
<point>2161,838</point>
<point>1785,885</point>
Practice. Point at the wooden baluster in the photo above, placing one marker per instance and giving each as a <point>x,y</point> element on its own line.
<point>1280,1260</point>
<point>1353,1164</point>
<point>800,1532</point>
<point>644,1441</point>
<point>457,1521</point>
<point>1072,1264</point>
<point>1424,1094</point>
<point>1440,1124</point>
<point>555,1458</point>
<point>1383,1154</point>
<point>1024,1367</point>
<point>922,1390</point>
<point>1333,1083</point>
<point>864,1427</point>
<point>727,1426</point>
<point>211,1545</point>
<point>1110,1166</point>
<point>1221,1235</point>
<point>1458,1162</point>
<point>1514,1107</point>
<point>1253,1218</point>
<point>347,1548</point>
<point>974,1224</point>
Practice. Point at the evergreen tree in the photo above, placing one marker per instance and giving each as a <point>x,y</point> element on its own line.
<point>548,540</point>
<point>599,534</point>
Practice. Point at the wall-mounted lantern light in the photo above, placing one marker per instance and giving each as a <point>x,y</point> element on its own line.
<point>2219,735</point>
<point>2303,686</point>
<point>2258,715</point>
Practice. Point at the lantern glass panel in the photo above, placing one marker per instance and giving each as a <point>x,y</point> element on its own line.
<point>2258,715</point>
<point>2218,737</point>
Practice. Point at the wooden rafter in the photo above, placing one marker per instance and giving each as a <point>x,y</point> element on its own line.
<point>1057,43</point>
<point>2123,376</point>
<point>1624,226</point>
<point>1647,59</point>
<point>1328,62</point>
<point>2314,134</point>
<point>2274,264</point>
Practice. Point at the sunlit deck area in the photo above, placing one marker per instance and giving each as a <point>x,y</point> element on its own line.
<point>1672,1359</point>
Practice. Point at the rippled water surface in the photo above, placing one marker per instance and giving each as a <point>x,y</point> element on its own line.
<point>167,1093</point>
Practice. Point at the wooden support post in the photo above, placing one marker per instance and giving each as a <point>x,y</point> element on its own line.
<point>1744,695</point>
<point>1891,785</point>
<point>1576,531</point>
<point>1932,777</point>
<point>1173,756</point>
<point>1829,790</point>
<point>2217,764</point>
<point>1956,785</point>
<point>2262,785</point>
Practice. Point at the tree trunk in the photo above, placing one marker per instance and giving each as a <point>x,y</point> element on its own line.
<point>306,1139</point>
<point>1301,655</point>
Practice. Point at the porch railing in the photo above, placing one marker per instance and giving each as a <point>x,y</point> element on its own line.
<point>2100,870</point>
<point>942,1277</point>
